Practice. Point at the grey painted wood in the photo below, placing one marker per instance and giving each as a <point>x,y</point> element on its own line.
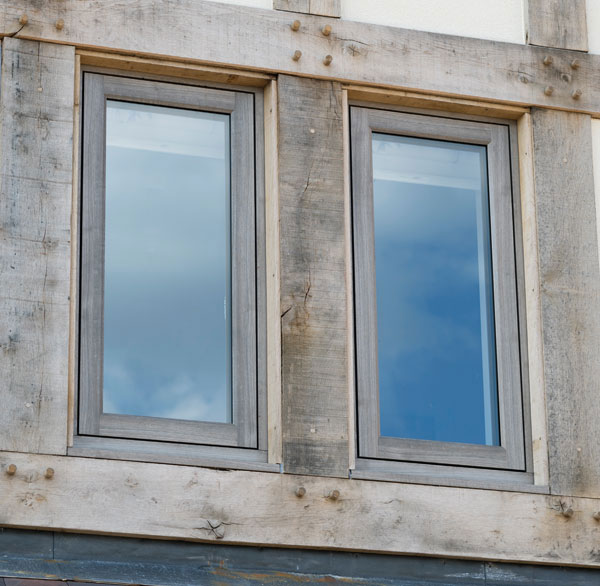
<point>570,302</point>
<point>126,560</point>
<point>319,7</point>
<point>258,39</point>
<point>511,453</point>
<point>558,23</point>
<point>240,106</point>
<point>313,278</point>
<point>36,143</point>
<point>165,452</point>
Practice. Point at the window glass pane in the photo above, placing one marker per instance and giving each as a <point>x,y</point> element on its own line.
<point>167,263</point>
<point>435,324</point>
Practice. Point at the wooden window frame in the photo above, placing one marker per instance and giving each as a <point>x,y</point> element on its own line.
<point>378,455</point>
<point>117,433</point>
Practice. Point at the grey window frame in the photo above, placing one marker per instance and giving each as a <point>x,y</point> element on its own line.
<point>248,428</point>
<point>378,455</point>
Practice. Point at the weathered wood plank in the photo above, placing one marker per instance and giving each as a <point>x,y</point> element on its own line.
<point>558,23</point>
<point>35,205</point>
<point>570,298</point>
<point>237,36</point>
<point>320,7</point>
<point>165,501</point>
<point>313,278</point>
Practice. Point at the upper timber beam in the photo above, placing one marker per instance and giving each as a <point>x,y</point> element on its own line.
<point>258,39</point>
<point>558,23</point>
<point>321,7</point>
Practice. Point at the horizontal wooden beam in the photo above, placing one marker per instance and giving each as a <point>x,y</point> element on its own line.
<point>258,39</point>
<point>256,508</point>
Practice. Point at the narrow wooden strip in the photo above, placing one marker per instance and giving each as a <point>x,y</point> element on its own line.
<point>313,277</point>
<point>242,37</point>
<point>558,23</point>
<point>253,508</point>
<point>570,298</point>
<point>535,351</point>
<point>273,274</point>
<point>36,145</point>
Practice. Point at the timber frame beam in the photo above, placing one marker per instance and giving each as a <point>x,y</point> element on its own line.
<point>236,507</point>
<point>258,39</point>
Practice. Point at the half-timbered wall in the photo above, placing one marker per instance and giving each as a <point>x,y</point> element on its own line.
<point>513,61</point>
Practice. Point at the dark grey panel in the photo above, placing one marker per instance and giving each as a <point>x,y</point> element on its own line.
<point>108,559</point>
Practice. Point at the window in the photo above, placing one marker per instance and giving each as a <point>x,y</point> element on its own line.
<point>438,337</point>
<point>172,285</point>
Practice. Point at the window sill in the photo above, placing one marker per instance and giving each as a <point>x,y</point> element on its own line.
<point>438,475</point>
<point>171,453</point>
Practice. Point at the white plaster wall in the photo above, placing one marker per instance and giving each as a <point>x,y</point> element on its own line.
<point>499,20</point>
<point>255,3</point>
<point>593,23</point>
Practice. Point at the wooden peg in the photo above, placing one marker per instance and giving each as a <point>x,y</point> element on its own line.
<point>296,56</point>
<point>567,512</point>
<point>300,492</point>
<point>11,469</point>
<point>334,495</point>
<point>328,59</point>
<point>326,30</point>
<point>548,60</point>
<point>575,64</point>
<point>576,94</point>
<point>295,26</point>
<point>49,473</point>
<point>23,20</point>
<point>597,515</point>
<point>549,90</point>
<point>59,24</point>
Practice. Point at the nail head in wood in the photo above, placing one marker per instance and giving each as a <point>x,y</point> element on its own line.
<point>326,30</point>
<point>296,56</point>
<point>59,24</point>
<point>576,94</point>
<point>23,20</point>
<point>549,90</point>
<point>295,26</point>
<point>575,64</point>
<point>597,515</point>
<point>300,491</point>
<point>548,60</point>
<point>11,469</point>
<point>334,495</point>
<point>328,59</point>
<point>49,473</point>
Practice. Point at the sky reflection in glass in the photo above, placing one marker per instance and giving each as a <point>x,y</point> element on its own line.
<point>436,346</point>
<point>167,270</point>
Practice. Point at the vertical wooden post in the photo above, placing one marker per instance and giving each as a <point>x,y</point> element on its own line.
<point>570,298</point>
<point>313,278</point>
<point>36,145</point>
<point>558,23</point>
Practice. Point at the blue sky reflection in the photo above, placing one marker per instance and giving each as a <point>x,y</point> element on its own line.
<point>166,312</point>
<point>437,373</point>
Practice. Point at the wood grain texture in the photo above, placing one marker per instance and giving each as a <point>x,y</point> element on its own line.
<point>531,281</point>
<point>313,277</point>
<point>35,205</point>
<point>257,39</point>
<point>319,7</point>
<point>570,300</point>
<point>153,500</point>
<point>558,23</point>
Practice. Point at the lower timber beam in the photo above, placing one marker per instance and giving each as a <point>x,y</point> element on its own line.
<point>171,502</point>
